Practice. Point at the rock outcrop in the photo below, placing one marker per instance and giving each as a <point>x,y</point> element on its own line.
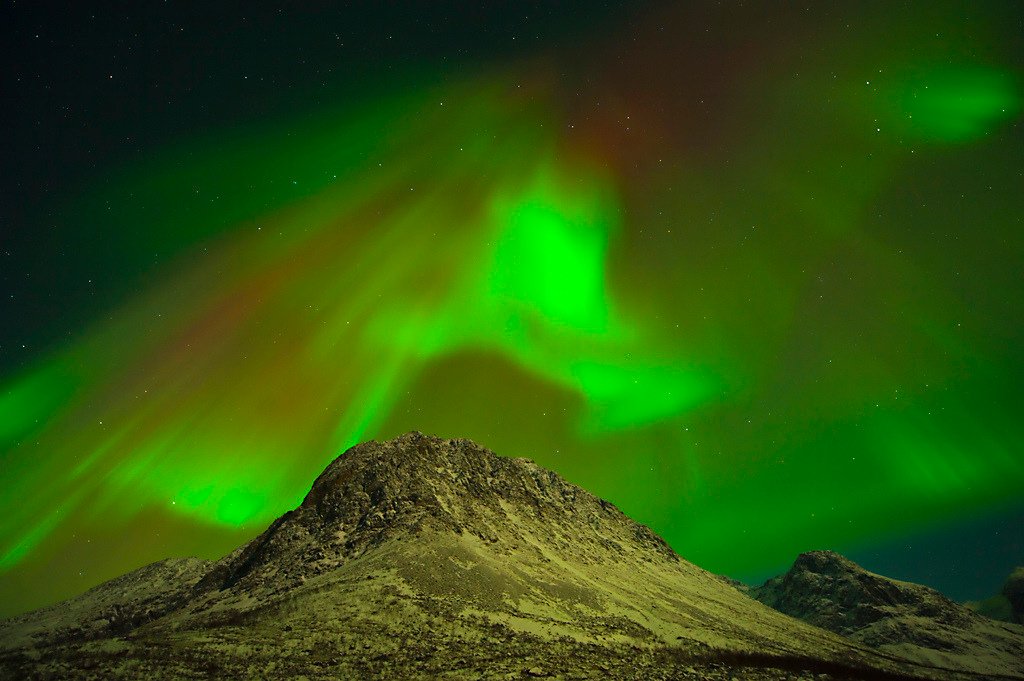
<point>825,589</point>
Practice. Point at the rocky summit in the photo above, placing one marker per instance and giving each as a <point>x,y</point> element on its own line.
<point>431,558</point>
<point>825,589</point>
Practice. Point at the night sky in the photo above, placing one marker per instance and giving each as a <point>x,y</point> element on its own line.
<point>751,272</point>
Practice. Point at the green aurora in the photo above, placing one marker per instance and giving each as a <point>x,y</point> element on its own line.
<point>789,324</point>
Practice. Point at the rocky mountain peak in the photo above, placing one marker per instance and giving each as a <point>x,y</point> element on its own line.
<point>835,593</point>
<point>912,620</point>
<point>411,470</point>
<point>451,483</point>
<point>825,562</point>
<point>416,483</point>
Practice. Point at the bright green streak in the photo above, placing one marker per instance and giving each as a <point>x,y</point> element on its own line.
<point>630,397</point>
<point>13,554</point>
<point>232,506</point>
<point>550,259</point>
<point>542,300</point>
<point>29,402</point>
<point>547,281</point>
<point>956,105</point>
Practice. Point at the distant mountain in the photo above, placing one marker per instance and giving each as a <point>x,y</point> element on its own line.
<point>1008,604</point>
<point>825,589</point>
<point>432,558</point>
<point>1013,591</point>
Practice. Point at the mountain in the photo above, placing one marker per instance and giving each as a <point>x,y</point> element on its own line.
<point>825,589</point>
<point>1008,604</point>
<point>431,558</point>
<point>1013,591</point>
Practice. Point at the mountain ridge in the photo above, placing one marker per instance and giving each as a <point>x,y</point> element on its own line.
<point>912,620</point>
<point>411,482</point>
<point>427,557</point>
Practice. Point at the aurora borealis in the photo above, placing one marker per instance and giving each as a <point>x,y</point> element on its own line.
<point>753,274</point>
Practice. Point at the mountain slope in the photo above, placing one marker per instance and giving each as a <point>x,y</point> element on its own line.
<point>424,557</point>
<point>832,592</point>
<point>112,608</point>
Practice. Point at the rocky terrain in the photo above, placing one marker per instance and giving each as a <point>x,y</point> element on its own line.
<point>432,558</point>
<point>825,589</point>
